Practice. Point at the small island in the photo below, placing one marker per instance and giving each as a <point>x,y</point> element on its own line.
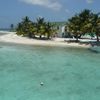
<point>82,30</point>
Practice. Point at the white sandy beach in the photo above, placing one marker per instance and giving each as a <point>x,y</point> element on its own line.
<point>11,37</point>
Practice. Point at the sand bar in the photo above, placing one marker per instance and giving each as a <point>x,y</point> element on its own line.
<point>13,38</point>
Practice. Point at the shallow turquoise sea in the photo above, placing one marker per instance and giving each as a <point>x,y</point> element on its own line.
<point>67,73</point>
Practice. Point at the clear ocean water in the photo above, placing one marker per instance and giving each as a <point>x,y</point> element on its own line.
<point>67,73</point>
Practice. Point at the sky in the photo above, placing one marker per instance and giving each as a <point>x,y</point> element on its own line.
<point>12,11</point>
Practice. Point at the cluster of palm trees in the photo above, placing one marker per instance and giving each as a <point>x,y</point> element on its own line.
<point>84,23</point>
<point>40,28</point>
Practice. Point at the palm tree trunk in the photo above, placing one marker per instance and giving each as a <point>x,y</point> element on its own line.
<point>97,37</point>
<point>33,35</point>
<point>76,38</point>
<point>40,36</point>
<point>48,36</point>
<point>30,35</point>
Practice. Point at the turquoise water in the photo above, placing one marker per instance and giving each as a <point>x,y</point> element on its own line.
<point>67,73</point>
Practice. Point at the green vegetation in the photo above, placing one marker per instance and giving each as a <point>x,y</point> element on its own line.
<point>40,28</point>
<point>84,23</point>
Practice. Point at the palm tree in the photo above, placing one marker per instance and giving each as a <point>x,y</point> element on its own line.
<point>85,17</point>
<point>48,29</point>
<point>40,26</point>
<point>96,25</point>
<point>26,27</point>
<point>74,26</point>
<point>82,23</point>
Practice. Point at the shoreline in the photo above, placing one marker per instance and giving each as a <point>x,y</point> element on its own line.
<point>15,39</point>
